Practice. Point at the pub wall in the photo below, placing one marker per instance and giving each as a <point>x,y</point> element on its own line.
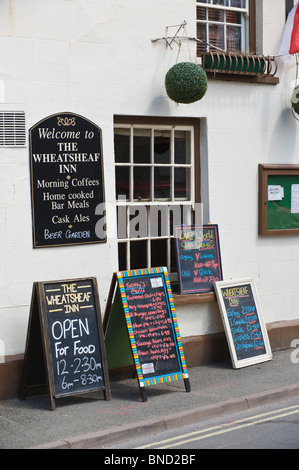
<point>96,58</point>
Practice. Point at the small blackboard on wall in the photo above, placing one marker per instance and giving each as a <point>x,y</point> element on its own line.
<point>143,306</point>
<point>65,352</point>
<point>198,258</point>
<point>243,322</point>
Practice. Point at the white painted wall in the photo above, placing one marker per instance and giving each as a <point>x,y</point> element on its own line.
<point>96,58</point>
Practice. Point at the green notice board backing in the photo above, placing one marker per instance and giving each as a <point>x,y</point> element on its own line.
<point>278,199</point>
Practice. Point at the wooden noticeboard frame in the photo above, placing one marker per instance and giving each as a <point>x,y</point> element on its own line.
<point>198,258</point>
<point>65,353</point>
<point>278,199</point>
<point>141,328</point>
<point>243,322</point>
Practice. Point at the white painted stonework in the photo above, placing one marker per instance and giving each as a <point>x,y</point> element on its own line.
<point>96,58</point>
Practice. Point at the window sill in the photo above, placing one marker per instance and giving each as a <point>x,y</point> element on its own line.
<point>240,67</point>
<point>185,299</point>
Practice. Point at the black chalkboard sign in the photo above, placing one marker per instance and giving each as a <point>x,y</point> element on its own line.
<point>65,320</point>
<point>152,329</point>
<point>243,322</point>
<point>198,258</point>
<point>67,182</point>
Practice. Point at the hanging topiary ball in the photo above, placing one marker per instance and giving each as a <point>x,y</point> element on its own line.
<point>295,99</point>
<point>186,82</point>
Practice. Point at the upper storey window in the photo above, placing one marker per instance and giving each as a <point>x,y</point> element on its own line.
<point>223,24</point>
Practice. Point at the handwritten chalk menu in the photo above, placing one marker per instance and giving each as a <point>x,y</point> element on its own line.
<point>152,327</point>
<point>67,183</point>
<point>243,322</point>
<point>71,332</point>
<point>198,258</point>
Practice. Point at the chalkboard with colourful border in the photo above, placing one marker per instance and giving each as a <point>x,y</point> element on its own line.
<point>152,342</point>
<point>65,352</point>
<point>198,258</point>
<point>243,322</point>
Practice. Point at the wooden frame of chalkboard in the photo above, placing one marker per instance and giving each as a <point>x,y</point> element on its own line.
<point>198,258</point>
<point>278,199</point>
<point>142,306</point>
<point>243,322</point>
<point>65,353</point>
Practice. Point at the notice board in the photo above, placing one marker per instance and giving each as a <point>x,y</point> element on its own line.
<point>141,328</point>
<point>65,353</point>
<point>243,322</point>
<point>198,258</point>
<point>278,199</point>
<point>67,181</point>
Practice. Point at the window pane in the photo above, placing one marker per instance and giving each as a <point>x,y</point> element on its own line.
<point>182,147</point>
<point>237,3</point>
<point>173,262</point>
<point>202,36</point>
<point>122,256</point>
<point>216,15</point>
<point>158,253</point>
<point>138,254</point>
<point>233,17</point>
<point>122,182</point>
<point>158,221</point>
<point>175,217</point>
<point>182,183</point>
<point>233,38</point>
<point>142,146</point>
<point>201,13</point>
<point>142,183</point>
<point>137,221</point>
<point>122,145</point>
<point>162,183</point>
<point>162,147</point>
<point>216,35</point>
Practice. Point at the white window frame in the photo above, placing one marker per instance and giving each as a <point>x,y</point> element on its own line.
<point>131,204</point>
<point>244,23</point>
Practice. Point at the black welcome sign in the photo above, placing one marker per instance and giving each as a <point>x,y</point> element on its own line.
<point>198,258</point>
<point>67,182</point>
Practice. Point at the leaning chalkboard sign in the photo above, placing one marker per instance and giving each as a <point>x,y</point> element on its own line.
<point>198,258</point>
<point>243,322</point>
<point>144,299</point>
<point>65,343</point>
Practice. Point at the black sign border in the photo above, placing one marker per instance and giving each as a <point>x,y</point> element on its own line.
<point>52,245</point>
<point>238,363</point>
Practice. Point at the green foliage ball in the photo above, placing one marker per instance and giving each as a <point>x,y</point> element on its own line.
<point>186,82</point>
<point>295,99</point>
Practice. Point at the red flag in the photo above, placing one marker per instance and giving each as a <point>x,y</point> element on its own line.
<point>290,39</point>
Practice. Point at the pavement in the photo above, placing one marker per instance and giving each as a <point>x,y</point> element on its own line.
<point>88,422</point>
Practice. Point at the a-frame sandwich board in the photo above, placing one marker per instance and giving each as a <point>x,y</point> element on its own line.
<point>65,353</point>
